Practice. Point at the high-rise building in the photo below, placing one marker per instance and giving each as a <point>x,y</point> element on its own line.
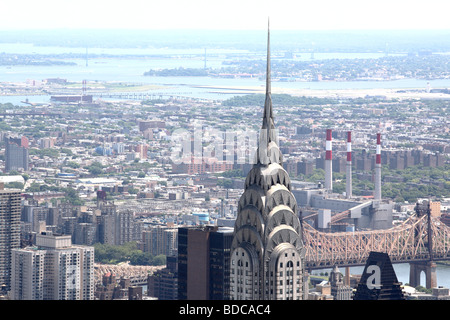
<point>203,262</point>
<point>141,150</point>
<point>9,231</point>
<point>34,215</point>
<point>16,154</point>
<point>378,280</point>
<point>219,261</point>
<point>27,274</point>
<point>339,290</point>
<point>127,228</point>
<point>305,167</point>
<point>163,284</point>
<point>48,142</point>
<point>106,221</point>
<point>160,240</point>
<point>54,269</point>
<point>267,253</point>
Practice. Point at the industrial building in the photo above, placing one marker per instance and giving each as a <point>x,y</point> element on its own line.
<point>329,211</point>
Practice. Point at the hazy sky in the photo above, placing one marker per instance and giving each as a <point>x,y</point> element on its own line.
<point>225,14</point>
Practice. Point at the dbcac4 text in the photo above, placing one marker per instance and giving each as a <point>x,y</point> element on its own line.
<point>246,309</point>
<point>227,309</point>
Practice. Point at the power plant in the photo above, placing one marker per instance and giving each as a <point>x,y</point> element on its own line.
<point>332,212</point>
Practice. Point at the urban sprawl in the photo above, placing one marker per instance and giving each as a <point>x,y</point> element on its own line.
<point>105,173</point>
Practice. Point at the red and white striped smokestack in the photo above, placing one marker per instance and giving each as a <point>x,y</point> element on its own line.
<point>328,147</point>
<point>378,155</point>
<point>349,146</point>
<point>328,162</point>
<point>348,188</point>
<point>377,192</point>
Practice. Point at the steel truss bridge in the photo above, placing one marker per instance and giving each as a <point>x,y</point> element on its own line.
<point>421,238</point>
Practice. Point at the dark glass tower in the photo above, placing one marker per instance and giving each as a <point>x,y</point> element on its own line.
<point>16,154</point>
<point>378,280</point>
<point>203,262</point>
<point>219,259</point>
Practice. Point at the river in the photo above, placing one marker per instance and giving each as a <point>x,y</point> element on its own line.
<point>402,272</point>
<point>132,70</point>
<point>131,66</point>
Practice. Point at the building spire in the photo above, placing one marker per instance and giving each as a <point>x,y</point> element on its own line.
<point>268,113</point>
<point>268,143</point>
<point>268,87</point>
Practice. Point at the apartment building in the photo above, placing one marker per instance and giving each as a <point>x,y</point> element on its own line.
<point>53,269</point>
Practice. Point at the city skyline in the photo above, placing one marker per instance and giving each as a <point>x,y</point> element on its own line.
<point>232,15</point>
<point>209,216</point>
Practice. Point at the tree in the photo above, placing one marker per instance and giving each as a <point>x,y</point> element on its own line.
<point>14,185</point>
<point>159,260</point>
<point>112,254</point>
<point>72,164</point>
<point>95,168</point>
<point>71,196</point>
<point>133,190</point>
<point>225,183</point>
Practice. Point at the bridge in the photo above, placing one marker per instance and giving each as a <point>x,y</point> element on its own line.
<point>32,114</point>
<point>139,96</point>
<point>73,96</point>
<point>420,240</point>
<point>138,275</point>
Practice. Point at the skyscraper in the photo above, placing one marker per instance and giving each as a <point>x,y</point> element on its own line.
<point>9,231</point>
<point>267,254</point>
<point>16,153</point>
<point>339,290</point>
<point>163,283</point>
<point>378,280</point>
<point>53,270</point>
<point>203,262</point>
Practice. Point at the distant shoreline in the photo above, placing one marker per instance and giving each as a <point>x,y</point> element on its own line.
<point>227,89</point>
<point>409,93</point>
<point>413,93</point>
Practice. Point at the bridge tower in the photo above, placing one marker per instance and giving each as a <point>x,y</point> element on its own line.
<point>429,267</point>
<point>415,270</point>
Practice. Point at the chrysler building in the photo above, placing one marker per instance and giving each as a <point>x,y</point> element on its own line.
<point>267,254</point>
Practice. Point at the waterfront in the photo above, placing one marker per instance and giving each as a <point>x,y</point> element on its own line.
<point>131,71</point>
<point>127,65</point>
<point>402,272</point>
